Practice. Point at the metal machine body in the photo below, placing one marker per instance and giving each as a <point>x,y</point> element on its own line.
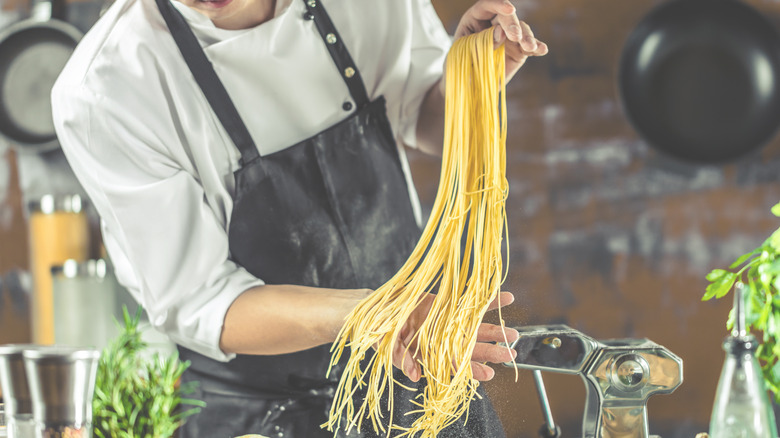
<point>619,375</point>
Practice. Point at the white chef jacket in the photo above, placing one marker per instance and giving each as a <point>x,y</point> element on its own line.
<point>158,165</point>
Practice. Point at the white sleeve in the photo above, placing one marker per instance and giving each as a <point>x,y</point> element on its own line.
<point>430,44</point>
<point>168,246</point>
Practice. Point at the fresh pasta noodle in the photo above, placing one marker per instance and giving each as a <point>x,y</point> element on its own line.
<point>458,258</point>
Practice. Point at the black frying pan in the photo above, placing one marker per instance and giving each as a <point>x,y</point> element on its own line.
<point>32,55</point>
<point>700,79</point>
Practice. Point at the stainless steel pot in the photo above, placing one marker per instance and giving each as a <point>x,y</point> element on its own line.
<point>32,55</point>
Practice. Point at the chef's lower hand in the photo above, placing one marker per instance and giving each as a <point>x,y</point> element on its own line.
<point>509,29</point>
<point>485,350</point>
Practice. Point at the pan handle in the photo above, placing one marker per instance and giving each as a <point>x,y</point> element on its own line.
<point>58,10</point>
<point>45,10</point>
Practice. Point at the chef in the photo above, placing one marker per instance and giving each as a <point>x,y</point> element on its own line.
<point>247,160</point>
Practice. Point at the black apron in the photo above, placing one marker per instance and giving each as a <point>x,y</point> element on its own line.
<point>331,211</point>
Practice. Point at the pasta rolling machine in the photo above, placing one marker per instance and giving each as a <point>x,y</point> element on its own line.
<point>619,375</point>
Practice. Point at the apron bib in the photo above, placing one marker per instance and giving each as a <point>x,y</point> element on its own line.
<point>330,211</point>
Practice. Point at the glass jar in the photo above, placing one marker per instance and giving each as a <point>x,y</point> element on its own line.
<point>742,408</point>
<point>59,230</point>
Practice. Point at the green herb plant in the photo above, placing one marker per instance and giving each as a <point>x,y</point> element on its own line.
<point>137,397</point>
<point>759,270</point>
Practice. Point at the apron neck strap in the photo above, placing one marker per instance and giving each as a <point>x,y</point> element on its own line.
<point>208,81</point>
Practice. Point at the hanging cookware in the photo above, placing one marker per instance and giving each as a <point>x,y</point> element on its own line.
<point>700,79</point>
<point>32,55</point>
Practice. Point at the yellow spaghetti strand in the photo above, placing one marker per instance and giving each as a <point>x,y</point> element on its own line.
<point>458,257</point>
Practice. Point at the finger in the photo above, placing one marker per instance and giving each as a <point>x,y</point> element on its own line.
<point>511,25</point>
<point>481,372</point>
<point>504,298</point>
<point>527,39</point>
<point>541,49</point>
<point>486,10</point>
<point>516,56</point>
<point>403,360</point>
<point>484,352</point>
<point>481,15</point>
<point>515,59</point>
<point>495,333</point>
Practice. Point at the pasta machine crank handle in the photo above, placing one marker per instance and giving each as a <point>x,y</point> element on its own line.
<point>549,429</point>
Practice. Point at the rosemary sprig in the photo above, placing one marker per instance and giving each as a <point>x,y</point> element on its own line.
<point>137,398</point>
<point>759,270</point>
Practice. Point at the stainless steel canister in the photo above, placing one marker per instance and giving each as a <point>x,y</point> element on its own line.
<point>16,392</point>
<point>62,385</point>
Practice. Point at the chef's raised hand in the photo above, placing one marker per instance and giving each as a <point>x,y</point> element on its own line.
<point>509,29</point>
<point>485,350</point>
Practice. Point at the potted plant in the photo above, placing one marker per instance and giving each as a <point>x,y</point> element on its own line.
<point>759,270</point>
<point>137,397</point>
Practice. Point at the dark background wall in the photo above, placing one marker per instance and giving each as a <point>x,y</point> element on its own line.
<point>606,235</point>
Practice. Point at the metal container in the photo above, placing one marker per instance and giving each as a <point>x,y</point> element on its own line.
<point>85,303</point>
<point>3,429</point>
<point>62,385</point>
<point>16,392</point>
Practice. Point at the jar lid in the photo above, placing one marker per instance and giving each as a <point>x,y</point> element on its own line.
<point>97,268</point>
<point>50,203</point>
